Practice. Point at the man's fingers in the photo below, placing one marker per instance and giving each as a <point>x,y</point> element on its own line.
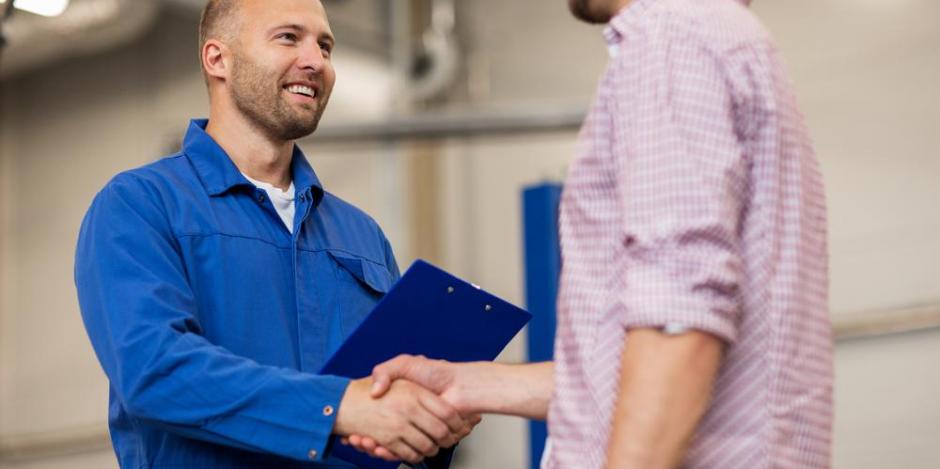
<point>412,445</point>
<point>368,444</point>
<point>472,421</point>
<point>356,441</point>
<point>417,438</point>
<point>435,428</point>
<point>404,452</point>
<point>444,412</point>
<point>361,443</point>
<point>383,453</point>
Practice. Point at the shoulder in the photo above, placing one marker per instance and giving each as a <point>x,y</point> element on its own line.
<point>159,172</point>
<point>712,43</point>
<point>158,175</point>
<point>716,29</point>
<point>717,26</point>
<point>148,187</point>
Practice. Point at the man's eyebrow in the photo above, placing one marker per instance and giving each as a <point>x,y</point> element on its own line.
<point>302,29</point>
<point>293,26</point>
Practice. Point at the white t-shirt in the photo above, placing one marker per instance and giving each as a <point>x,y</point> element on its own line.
<point>283,201</point>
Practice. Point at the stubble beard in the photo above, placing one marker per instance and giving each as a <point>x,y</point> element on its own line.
<point>258,95</point>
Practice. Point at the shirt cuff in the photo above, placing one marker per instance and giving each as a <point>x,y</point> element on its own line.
<point>322,413</point>
<point>675,328</point>
<point>657,303</point>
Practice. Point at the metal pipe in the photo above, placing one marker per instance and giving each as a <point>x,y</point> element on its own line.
<point>442,126</point>
<point>882,323</point>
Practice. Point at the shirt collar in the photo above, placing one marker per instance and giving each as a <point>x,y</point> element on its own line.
<point>627,19</point>
<point>624,22</point>
<point>219,174</point>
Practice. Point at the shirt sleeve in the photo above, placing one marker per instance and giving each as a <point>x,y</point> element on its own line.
<point>683,185</point>
<point>141,317</point>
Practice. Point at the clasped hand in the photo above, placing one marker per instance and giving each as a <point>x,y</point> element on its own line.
<point>407,410</point>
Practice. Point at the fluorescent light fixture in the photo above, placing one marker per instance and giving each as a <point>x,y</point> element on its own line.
<point>41,7</point>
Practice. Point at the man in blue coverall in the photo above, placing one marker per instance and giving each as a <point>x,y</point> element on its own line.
<point>215,283</point>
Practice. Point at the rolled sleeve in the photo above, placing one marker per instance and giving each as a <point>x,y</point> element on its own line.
<point>683,183</point>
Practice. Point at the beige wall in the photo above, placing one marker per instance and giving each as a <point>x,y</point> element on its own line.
<point>866,72</point>
<point>75,126</point>
<point>887,410</point>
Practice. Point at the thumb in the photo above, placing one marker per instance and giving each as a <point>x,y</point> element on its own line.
<point>380,384</point>
<point>385,373</point>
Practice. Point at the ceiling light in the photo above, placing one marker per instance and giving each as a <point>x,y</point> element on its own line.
<point>41,7</point>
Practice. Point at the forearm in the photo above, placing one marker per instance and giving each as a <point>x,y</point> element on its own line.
<point>523,390</point>
<point>665,388</point>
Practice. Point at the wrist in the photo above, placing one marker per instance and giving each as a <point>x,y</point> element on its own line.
<point>522,390</point>
<point>470,386</point>
<point>479,387</point>
<point>349,405</point>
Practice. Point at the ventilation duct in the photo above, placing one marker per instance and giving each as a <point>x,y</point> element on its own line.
<point>86,26</point>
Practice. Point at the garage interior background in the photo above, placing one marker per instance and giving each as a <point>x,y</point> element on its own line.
<point>443,111</point>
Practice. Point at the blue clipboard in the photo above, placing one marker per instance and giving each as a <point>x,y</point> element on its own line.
<point>427,312</point>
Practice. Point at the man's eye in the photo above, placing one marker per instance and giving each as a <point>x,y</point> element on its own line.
<point>326,47</point>
<point>288,37</point>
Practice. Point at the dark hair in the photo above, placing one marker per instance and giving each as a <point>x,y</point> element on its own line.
<point>219,20</point>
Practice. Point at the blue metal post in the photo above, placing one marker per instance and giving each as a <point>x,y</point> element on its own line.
<point>542,269</point>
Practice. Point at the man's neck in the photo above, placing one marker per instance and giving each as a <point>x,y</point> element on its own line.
<point>618,6</point>
<point>254,153</point>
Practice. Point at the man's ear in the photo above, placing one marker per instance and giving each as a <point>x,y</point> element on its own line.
<point>215,59</point>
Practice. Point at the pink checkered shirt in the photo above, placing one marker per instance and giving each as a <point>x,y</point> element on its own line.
<point>696,199</point>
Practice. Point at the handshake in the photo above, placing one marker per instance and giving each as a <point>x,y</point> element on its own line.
<point>409,408</point>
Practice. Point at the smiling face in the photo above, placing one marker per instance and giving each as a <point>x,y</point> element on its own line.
<point>280,74</point>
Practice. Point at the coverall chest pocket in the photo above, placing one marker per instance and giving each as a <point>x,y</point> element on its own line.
<point>362,283</point>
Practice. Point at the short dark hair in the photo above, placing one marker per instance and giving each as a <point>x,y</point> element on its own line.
<point>219,20</point>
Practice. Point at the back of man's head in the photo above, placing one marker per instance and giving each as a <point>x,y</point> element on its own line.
<point>220,20</point>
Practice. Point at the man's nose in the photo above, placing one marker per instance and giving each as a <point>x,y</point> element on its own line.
<point>311,58</point>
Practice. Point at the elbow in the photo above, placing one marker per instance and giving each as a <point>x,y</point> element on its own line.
<point>147,383</point>
<point>139,395</point>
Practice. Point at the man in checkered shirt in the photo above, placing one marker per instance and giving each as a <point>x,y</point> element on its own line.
<point>693,328</point>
